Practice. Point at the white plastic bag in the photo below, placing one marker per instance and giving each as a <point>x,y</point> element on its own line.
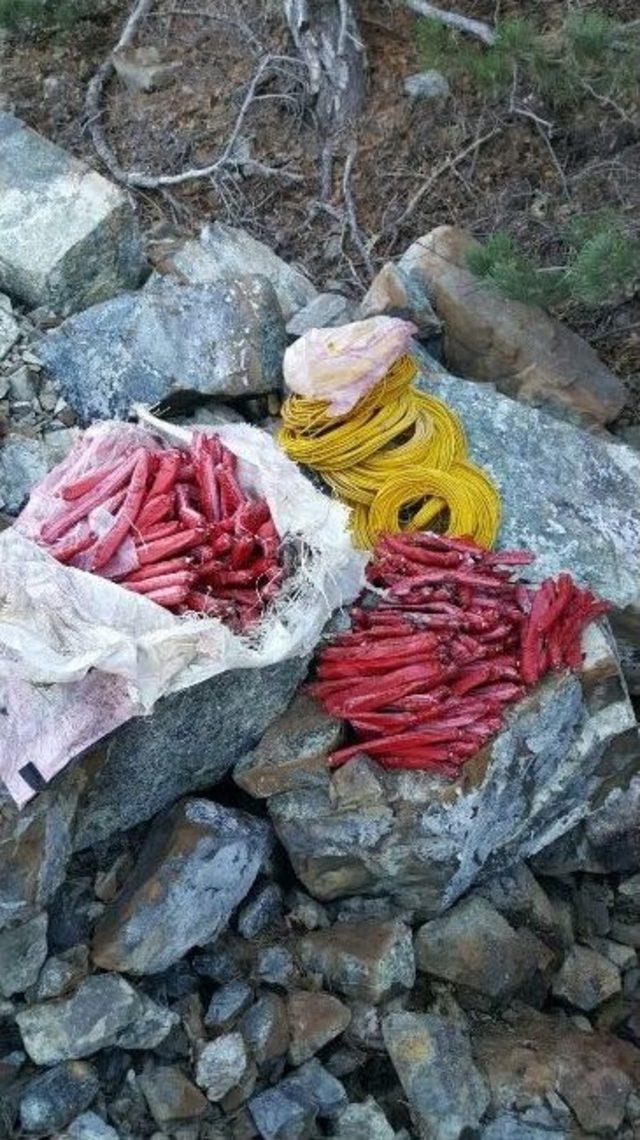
<point>341,364</point>
<point>80,655</point>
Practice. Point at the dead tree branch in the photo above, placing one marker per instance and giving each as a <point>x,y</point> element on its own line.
<point>140,179</point>
<point>448,164</point>
<point>351,215</point>
<point>476,28</point>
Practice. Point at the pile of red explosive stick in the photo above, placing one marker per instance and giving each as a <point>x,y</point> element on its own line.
<point>424,676</point>
<point>194,539</point>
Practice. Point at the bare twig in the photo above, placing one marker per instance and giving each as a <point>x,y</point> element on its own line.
<point>351,216</point>
<point>605,100</point>
<point>476,28</point>
<point>142,180</point>
<point>453,161</point>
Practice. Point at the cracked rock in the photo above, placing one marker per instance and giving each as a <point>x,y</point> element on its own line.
<point>53,1098</point>
<point>104,1010</point>
<point>197,864</point>
<point>365,961</point>
<point>314,1020</point>
<point>586,978</point>
<point>221,1065</point>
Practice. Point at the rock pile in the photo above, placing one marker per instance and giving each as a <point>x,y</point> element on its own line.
<point>205,933</point>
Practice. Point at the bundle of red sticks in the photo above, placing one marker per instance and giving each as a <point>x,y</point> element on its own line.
<point>425,675</point>
<point>176,526</point>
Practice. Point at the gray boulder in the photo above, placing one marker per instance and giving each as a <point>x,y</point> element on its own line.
<point>23,949</point>
<point>474,947</point>
<point>9,328</point>
<point>223,339</point>
<point>365,961</point>
<point>424,841</point>
<point>431,1054</point>
<point>25,460</point>
<point>363,1121</point>
<point>104,1010</point>
<point>68,238</point>
<point>291,1108</point>
<point>171,1097</point>
<point>90,1126</point>
<point>221,1065</point>
<point>225,252</point>
<point>197,864</point>
<point>327,310</point>
<point>53,1098</point>
<point>188,744</point>
<point>35,847</point>
<point>586,978</point>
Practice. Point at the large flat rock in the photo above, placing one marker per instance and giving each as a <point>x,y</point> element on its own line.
<point>423,841</point>
<point>189,742</point>
<point>224,251</point>
<point>223,339</point>
<point>68,237</point>
<point>570,497</point>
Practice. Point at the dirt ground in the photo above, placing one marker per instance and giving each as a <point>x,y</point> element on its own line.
<point>515,181</point>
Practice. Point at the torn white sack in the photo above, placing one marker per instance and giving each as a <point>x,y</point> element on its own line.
<point>80,655</point>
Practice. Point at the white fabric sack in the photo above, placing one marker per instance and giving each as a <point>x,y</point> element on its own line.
<point>341,364</point>
<point>80,655</point>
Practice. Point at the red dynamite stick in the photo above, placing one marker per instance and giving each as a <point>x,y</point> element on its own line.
<point>160,582</point>
<point>157,530</point>
<point>87,482</point>
<point>163,548</point>
<point>171,596</point>
<point>168,567</point>
<point>169,463</point>
<point>188,515</point>
<point>106,547</point>
<point>206,479</point>
<point>155,509</point>
<point>55,528</point>
<point>68,548</point>
<point>231,497</point>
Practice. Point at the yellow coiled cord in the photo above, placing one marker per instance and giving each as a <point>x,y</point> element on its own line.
<point>399,458</point>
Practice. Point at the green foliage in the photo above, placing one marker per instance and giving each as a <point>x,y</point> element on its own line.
<point>33,15</point>
<point>601,265</point>
<point>591,55</point>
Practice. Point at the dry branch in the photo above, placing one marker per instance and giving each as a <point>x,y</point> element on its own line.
<point>140,179</point>
<point>476,28</point>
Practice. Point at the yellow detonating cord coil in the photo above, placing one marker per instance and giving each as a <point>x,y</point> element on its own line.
<point>399,458</point>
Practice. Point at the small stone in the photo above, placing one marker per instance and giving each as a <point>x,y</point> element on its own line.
<point>306,912</point>
<point>473,946</point>
<point>61,974</point>
<point>227,1004</point>
<point>261,912</point>
<point>365,961</point>
<point>23,949</point>
<point>628,896</point>
<point>431,1054</point>
<point>519,898</point>
<point>275,966</point>
<point>291,1108</point>
<point>314,1020</point>
<point>197,864</point>
<point>393,293</point>
<point>109,882</point>
<point>626,932</point>
<point>171,1096</point>
<point>225,252</point>
<point>365,1027</point>
<point>218,962</point>
<point>586,979</point>
<point>90,1126</point>
<point>72,914</point>
<point>22,384</point>
<point>364,1121</point>
<point>427,85</point>
<point>327,310</point>
<point>104,1010</point>
<point>53,1098</point>
<point>265,1028</point>
<point>143,68</point>
<point>593,900</point>
<point>44,191</point>
<point>293,749</point>
<point>221,1065</point>
<point>9,329</point>
<point>48,397</point>
<point>23,462</point>
<point>624,957</point>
